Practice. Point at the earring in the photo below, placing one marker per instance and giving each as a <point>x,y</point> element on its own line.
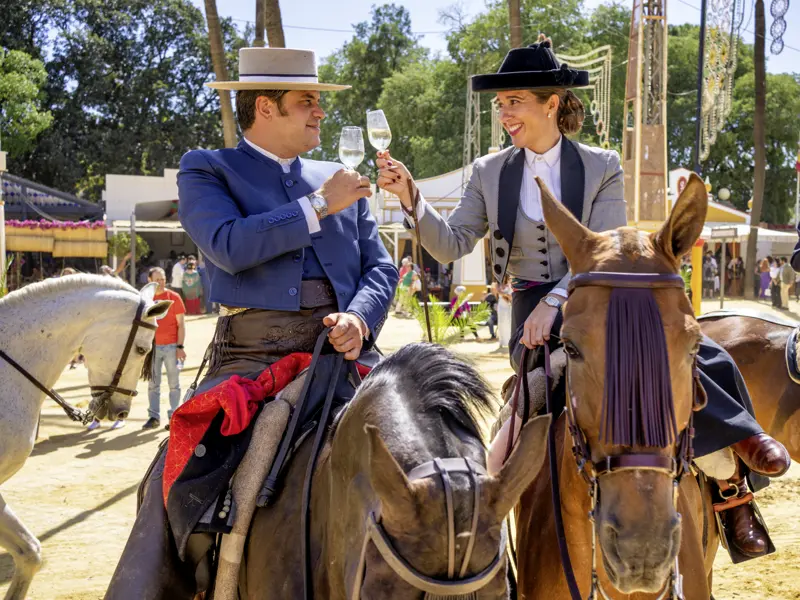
<point>549,115</point>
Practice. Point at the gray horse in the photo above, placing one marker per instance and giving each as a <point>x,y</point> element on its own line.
<point>41,328</point>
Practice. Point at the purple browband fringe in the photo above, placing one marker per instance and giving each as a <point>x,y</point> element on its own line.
<point>637,401</point>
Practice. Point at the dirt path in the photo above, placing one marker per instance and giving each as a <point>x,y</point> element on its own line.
<point>77,492</point>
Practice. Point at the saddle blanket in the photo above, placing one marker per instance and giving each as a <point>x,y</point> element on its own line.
<point>238,399</point>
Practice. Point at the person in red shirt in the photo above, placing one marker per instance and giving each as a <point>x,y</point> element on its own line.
<point>168,350</point>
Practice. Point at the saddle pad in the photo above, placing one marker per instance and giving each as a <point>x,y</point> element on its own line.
<point>753,314</point>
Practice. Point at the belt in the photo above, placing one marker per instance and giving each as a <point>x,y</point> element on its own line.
<point>314,293</point>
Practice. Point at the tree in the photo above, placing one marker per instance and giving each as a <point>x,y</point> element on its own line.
<point>379,48</point>
<point>221,71</point>
<point>759,142</point>
<point>21,116</point>
<point>514,23</point>
<point>274,24</point>
<point>125,87</point>
<point>261,24</point>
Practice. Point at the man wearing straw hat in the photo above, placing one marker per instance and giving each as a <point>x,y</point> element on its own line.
<point>291,248</point>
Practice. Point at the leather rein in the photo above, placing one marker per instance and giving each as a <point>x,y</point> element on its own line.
<point>101,394</point>
<point>675,467</point>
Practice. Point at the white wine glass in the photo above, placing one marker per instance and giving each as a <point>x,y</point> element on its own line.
<point>380,136</point>
<point>351,147</point>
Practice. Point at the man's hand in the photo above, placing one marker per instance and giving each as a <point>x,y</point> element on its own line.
<point>180,354</point>
<point>344,188</point>
<point>538,326</point>
<point>394,177</point>
<point>347,334</point>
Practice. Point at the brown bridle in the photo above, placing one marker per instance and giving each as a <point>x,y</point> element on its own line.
<point>674,467</point>
<point>452,587</point>
<point>99,400</point>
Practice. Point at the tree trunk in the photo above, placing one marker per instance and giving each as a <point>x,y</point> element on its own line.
<point>221,72</point>
<point>258,42</point>
<point>759,144</point>
<point>274,24</point>
<point>515,22</point>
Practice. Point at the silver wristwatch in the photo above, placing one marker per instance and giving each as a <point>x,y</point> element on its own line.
<point>319,204</point>
<point>550,301</point>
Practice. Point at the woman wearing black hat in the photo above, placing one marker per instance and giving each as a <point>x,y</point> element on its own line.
<point>538,110</point>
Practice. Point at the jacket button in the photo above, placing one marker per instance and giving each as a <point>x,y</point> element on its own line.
<point>296,258</point>
<point>271,221</point>
<point>546,276</point>
<point>498,269</point>
<point>543,251</point>
<point>498,235</point>
<point>543,240</point>
<point>540,227</point>
<point>544,263</point>
<point>200,451</point>
<point>294,214</point>
<point>500,252</point>
<point>293,291</point>
<point>289,183</point>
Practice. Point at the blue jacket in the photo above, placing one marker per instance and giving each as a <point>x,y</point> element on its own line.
<point>241,210</point>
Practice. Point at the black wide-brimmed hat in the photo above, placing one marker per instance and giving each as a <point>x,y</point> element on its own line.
<point>528,68</point>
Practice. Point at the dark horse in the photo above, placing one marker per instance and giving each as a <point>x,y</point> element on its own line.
<point>386,457</point>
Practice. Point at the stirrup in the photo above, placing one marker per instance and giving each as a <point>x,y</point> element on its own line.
<point>723,501</point>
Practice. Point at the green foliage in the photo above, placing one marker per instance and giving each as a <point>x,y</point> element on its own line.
<point>21,116</point>
<point>443,330</point>
<point>379,48</point>
<point>119,245</point>
<point>124,86</point>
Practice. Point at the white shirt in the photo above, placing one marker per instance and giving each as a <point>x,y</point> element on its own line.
<point>548,167</point>
<point>177,275</point>
<point>286,164</point>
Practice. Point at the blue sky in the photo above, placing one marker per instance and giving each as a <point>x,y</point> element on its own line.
<point>300,17</point>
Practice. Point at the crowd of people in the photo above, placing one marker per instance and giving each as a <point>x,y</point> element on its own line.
<point>776,276</point>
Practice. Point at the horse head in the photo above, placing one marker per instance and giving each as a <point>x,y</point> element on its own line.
<point>117,348</point>
<point>631,348</point>
<point>438,524</point>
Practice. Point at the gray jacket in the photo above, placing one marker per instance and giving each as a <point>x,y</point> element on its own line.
<point>591,187</point>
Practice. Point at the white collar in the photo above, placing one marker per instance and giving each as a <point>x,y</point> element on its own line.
<point>551,157</point>
<point>284,162</point>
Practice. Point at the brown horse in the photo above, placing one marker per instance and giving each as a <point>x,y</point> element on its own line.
<point>759,349</point>
<point>642,521</point>
<point>382,458</point>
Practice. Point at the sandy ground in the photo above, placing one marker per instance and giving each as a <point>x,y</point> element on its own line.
<point>77,492</point>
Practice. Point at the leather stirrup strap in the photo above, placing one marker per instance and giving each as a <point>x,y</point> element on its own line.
<point>521,374</point>
<point>270,487</point>
<point>305,514</point>
<point>555,488</point>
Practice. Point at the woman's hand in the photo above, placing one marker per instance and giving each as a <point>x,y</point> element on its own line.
<point>538,326</point>
<point>393,176</point>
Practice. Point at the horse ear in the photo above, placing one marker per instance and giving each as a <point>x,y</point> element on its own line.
<point>679,233</point>
<point>522,466</point>
<point>388,479</point>
<point>148,292</point>
<point>570,233</point>
<point>158,310</point>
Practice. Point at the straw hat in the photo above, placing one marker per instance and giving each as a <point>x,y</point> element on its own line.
<point>277,69</point>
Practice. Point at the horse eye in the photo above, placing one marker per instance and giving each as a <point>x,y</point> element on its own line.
<point>571,350</point>
<point>141,350</point>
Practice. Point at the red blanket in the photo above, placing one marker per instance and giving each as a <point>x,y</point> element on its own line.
<point>238,398</point>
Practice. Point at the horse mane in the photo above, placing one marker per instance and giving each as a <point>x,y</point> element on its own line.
<point>638,408</point>
<point>61,285</point>
<point>437,382</point>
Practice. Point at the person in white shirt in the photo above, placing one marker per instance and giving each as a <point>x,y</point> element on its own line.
<point>176,277</point>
